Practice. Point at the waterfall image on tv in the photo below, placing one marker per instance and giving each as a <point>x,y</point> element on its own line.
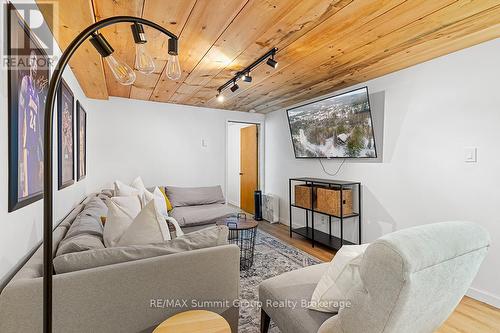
<point>338,126</point>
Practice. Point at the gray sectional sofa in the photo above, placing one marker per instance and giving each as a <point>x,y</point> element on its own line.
<point>131,296</point>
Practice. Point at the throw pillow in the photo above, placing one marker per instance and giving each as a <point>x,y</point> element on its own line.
<point>121,213</point>
<point>167,201</point>
<point>147,228</point>
<point>205,238</point>
<point>342,275</point>
<point>135,188</point>
<point>157,196</point>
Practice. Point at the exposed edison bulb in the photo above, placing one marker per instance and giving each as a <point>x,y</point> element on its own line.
<point>122,72</point>
<point>173,67</point>
<point>220,97</point>
<point>143,61</point>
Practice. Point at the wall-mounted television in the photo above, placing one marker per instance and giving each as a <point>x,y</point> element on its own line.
<point>340,126</point>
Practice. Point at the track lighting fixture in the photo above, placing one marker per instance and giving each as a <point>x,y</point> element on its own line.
<point>121,71</point>
<point>234,87</point>
<point>143,61</point>
<point>244,75</point>
<point>271,62</point>
<point>246,78</point>
<point>220,97</point>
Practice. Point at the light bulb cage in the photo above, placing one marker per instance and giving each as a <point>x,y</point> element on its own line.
<point>244,74</point>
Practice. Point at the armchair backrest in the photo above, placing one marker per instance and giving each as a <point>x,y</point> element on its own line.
<point>414,278</point>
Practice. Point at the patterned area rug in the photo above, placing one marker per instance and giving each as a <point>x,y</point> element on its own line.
<point>272,257</point>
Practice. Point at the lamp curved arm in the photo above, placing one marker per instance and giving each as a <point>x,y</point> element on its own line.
<point>48,144</point>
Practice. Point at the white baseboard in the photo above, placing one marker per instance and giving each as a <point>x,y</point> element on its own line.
<point>484,296</point>
<point>233,203</point>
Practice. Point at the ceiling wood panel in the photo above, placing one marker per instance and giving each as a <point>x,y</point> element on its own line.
<point>232,42</point>
<point>324,45</point>
<point>119,36</point>
<point>420,31</point>
<point>208,20</point>
<point>451,39</point>
<point>320,39</point>
<point>72,17</point>
<point>298,21</point>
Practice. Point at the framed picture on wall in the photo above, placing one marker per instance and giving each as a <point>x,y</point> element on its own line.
<point>65,136</point>
<point>81,141</point>
<point>28,78</point>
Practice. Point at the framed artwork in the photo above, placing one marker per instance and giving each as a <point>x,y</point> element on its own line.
<point>81,139</point>
<point>28,78</point>
<point>65,136</point>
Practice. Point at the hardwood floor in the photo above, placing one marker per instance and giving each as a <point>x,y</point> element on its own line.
<point>470,316</point>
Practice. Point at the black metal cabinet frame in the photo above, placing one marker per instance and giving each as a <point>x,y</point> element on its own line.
<point>317,236</point>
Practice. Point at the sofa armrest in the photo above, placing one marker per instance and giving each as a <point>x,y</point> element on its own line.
<point>128,297</point>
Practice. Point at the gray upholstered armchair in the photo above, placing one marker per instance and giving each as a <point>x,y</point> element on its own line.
<point>412,281</point>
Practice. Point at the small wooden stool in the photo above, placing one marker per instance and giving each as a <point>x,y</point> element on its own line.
<point>194,321</point>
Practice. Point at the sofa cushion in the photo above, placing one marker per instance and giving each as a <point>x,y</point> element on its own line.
<point>289,289</point>
<point>203,214</point>
<point>148,227</point>
<point>191,196</point>
<point>208,237</point>
<point>85,232</point>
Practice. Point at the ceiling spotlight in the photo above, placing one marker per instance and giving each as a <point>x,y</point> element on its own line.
<point>234,87</point>
<point>246,78</point>
<point>220,97</point>
<point>271,62</point>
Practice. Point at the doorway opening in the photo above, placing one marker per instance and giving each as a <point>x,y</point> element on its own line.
<point>242,164</point>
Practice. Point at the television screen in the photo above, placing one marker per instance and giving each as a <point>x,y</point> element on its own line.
<point>338,126</point>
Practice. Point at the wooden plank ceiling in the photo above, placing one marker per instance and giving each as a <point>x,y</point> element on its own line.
<point>324,45</point>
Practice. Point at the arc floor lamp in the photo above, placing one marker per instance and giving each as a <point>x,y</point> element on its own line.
<point>105,50</point>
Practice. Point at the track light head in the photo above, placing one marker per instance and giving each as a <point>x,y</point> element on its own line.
<point>246,78</point>
<point>234,87</point>
<point>138,33</point>
<point>271,62</point>
<point>173,46</point>
<point>220,97</point>
<point>101,45</point>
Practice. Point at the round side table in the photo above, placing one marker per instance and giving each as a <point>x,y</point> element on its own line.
<point>242,232</point>
<point>194,321</point>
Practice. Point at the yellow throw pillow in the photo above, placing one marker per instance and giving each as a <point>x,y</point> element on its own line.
<point>169,205</point>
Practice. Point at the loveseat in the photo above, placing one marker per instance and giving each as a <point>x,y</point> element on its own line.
<point>133,296</point>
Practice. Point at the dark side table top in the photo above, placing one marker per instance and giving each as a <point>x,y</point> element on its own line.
<point>238,223</point>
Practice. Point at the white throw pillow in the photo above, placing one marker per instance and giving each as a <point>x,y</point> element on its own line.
<point>342,275</point>
<point>158,197</point>
<point>121,213</point>
<point>147,228</point>
<point>123,190</point>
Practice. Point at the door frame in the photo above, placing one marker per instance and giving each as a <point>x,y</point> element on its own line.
<point>260,153</point>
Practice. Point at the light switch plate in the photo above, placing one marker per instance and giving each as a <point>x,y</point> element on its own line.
<point>204,143</point>
<point>470,154</point>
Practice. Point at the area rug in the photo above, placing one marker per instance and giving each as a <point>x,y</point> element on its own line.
<point>272,257</point>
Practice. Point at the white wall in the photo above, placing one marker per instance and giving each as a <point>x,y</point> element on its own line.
<point>22,229</point>
<point>160,142</point>
<point>233,162</point>
<point>430,112</point>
